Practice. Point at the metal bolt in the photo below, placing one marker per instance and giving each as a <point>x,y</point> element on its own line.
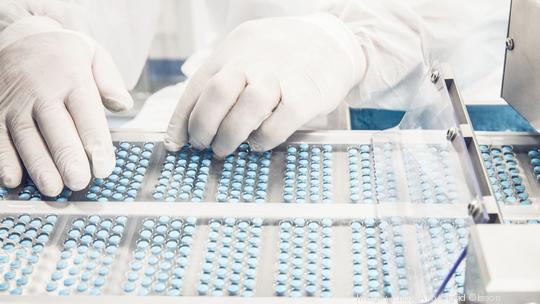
<point>477,212</point>
<point>451,134</point>
<point>435,76</point>
<point>509,43</point>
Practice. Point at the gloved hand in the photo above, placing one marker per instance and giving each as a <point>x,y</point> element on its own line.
<point>53,85</point>
<point>267,79</point>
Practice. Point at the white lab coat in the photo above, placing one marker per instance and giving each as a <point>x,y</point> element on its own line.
<point>125,28</point>
<point>401,40</point>
<point>408,35</point>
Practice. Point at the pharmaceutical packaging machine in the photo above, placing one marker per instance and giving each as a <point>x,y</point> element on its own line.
<point>324,215</point>
<point>328,216</point>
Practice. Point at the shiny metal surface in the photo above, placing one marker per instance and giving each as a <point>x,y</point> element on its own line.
<point>521,80</point>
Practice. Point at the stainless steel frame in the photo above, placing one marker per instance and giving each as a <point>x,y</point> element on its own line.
<point>521,80</point>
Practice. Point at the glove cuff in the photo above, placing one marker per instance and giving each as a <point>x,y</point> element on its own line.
<point>344,38</point>
<point>26,27</point>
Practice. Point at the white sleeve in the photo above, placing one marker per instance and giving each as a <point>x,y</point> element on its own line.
<point>10,12</point>
<point>401,40</point>
<point>125,28</point>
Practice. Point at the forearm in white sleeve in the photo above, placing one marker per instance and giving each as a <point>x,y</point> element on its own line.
<point>125,28</point>
<point>400,41</point>
<point>10,12</point>
<point>390,36</point>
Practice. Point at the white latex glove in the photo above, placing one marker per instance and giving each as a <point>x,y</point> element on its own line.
<point>269,77</point>
<point>53,85</point>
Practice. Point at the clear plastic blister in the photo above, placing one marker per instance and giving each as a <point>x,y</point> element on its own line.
<point>247,256</point>
<point>512,170</point>
<point>424,160</point>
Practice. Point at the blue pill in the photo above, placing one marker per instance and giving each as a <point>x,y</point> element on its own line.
<point>296,283</point>
<point>534,154</point>
<point>233,289</point>
<point>159,287</point>
<point>311,290</point>
<point>281,289</point>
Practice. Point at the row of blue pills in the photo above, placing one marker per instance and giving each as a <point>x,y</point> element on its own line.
<point>124,183</point>
<point>184,175</point>
<point>379,265</point>
<point>245,176</point>
<point>160,256</point>
<point>430,175</point>
<point>88,252</point>
<point>534,158</point>
<point>361,175</point>
<point>504,175</point>
<point>22,239</point>
<point>384,172</point>
<point>29,192</point>
<point>305,258</point>
<point>441,241</point>
<point>231,259</point>
<point>308,174</point>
